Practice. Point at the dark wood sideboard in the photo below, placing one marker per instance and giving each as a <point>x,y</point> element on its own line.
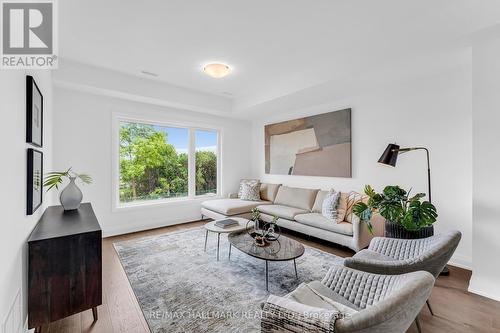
<point>64,265</point>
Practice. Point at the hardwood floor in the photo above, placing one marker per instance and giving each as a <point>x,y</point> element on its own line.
<point>455,309</point>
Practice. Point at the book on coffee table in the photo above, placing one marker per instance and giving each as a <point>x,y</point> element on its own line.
<point>226,223</point>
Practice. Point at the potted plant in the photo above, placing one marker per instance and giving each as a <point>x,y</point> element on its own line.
<point>71,196</point>
<point>406,216</point>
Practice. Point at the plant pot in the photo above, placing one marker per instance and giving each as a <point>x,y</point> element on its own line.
<point>396,230</point>
<point>71,197</point>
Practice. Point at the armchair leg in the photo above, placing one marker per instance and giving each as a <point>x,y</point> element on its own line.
<point>430,308</point>
<point>418,325</point>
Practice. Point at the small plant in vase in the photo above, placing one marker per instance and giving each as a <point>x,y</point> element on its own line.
<point>256,220</point>
<point>71,196</point>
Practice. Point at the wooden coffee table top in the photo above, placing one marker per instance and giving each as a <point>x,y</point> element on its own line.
<point>282,249</point>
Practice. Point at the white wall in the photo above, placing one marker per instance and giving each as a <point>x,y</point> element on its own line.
<point>486,178</point>
<point>82,139</point>
<point>435,112</point>
<point>16,225</point>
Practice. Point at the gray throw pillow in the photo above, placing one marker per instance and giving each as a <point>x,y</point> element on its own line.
<point>329,207</point>
<point>247,181</point>
<point>250,192</point>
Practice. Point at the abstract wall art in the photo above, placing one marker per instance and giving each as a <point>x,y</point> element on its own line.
<point>318,145</point>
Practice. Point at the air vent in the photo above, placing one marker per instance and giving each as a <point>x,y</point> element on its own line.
<point>149,73</point>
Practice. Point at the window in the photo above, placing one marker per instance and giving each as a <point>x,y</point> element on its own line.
<point>206,162</point>
<point>154,162</point>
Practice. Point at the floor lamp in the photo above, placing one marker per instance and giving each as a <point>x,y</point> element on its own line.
<point>390,157</point>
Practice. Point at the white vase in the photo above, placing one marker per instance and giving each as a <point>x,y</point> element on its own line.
<point>71,197</point>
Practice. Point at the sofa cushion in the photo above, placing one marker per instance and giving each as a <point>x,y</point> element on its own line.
<point>319,221</point>
<point>318,202</point>
<point>302,198</point>
<point>268,191</point>
<point>284,212</point>
<point>232,206</point>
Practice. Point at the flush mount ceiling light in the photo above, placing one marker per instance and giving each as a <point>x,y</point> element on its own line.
<point>217,70</point>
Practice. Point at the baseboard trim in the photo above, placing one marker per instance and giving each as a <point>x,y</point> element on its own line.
<point>122,230</point>
<point>484,287</point>
<point>484,294</point>
<point>461,262</point>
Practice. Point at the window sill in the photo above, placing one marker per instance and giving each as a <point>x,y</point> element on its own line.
<point>162,203</point>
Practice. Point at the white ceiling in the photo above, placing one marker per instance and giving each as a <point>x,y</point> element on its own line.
<point>274,47</point>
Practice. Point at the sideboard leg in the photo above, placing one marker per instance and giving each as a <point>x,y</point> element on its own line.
<point>94,313</point>
<point>38,329</point>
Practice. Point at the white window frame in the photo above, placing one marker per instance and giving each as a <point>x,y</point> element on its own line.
<point>192,128</point>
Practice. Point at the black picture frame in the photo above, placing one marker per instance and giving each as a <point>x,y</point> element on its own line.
<point>34,182</point>
<point>34,113</point>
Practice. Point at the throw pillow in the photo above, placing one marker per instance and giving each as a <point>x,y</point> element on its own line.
<point>246,181</point>
<point>342,207</point>
<point>329,207</point>
<point>352,199</point>
<point>250,192</point>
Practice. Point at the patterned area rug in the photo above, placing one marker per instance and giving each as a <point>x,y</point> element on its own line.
<point>180,288</point>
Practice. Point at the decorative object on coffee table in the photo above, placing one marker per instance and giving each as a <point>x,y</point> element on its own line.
<point>272,230</point>
<point>284,249</point>
<point>71,196</point>
<point>211,227</point>
<point>256,223</point>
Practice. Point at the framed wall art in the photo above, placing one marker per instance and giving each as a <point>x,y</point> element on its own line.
<point>34,182</point>
<point>318,145</point>
<point>34,113</point>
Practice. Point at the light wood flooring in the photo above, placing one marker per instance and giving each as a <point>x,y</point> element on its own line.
<point>456,310</point>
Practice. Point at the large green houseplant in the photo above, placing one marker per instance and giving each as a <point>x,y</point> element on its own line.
<point>397,207</point>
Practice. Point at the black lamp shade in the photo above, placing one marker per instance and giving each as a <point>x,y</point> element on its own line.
<point>390,155</point>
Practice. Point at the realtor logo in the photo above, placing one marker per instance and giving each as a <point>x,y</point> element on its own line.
<point>28,34</point>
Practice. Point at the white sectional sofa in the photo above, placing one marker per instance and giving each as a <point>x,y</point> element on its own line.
<point>298,209</point>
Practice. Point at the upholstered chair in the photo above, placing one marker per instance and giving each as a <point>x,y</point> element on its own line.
<point>398,256</point>
<point>348,300</point>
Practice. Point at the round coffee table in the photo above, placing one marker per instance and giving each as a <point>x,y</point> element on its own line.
<point>211,227</point>
<point>283,249</point>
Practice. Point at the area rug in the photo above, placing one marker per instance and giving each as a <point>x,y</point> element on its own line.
<point>181,288</point>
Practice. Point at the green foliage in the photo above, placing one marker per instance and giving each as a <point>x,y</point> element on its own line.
<point>396,205</point>
<point>54,179</point>
<point>150,167</point>
<point>255,214</point>
<point>206,172</point>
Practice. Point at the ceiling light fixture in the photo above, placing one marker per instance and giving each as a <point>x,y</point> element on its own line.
<point>217,70</point>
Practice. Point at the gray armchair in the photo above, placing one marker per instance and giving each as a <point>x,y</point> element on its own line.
<point>398,256</point>
<point>347,300</point>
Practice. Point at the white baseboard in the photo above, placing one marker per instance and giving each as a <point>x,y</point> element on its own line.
<point>127,229</point>
<point>461,261</point>
<point>484,287</point>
